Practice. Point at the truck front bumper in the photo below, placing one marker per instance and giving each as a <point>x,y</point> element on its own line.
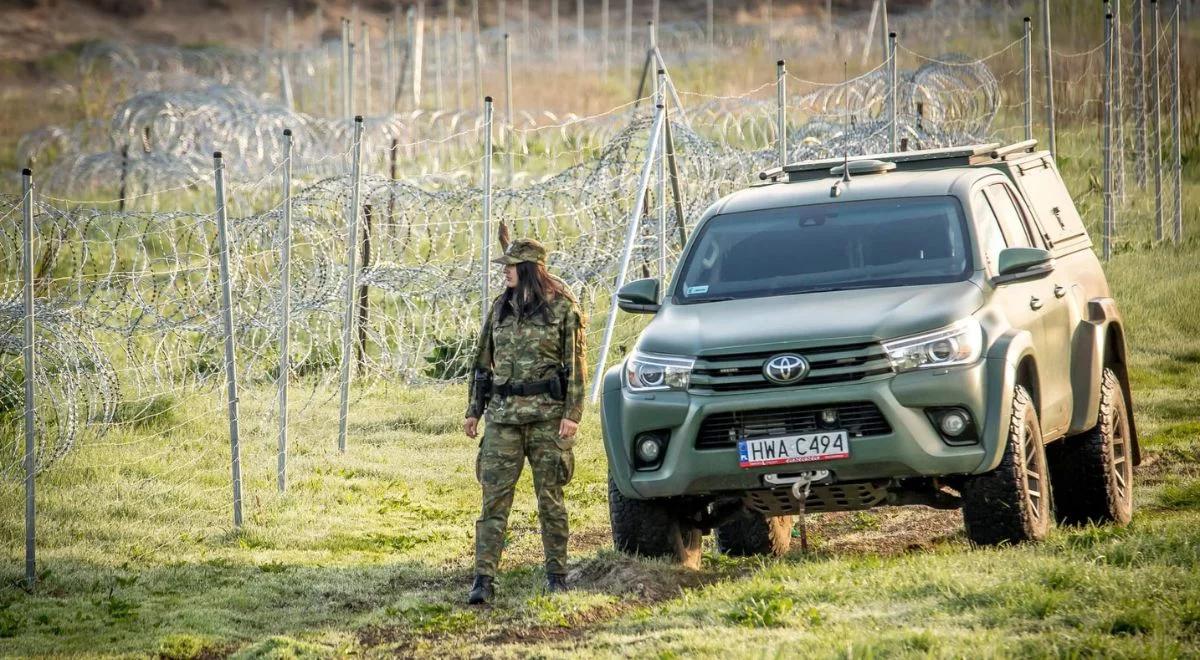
<point>913,448</point>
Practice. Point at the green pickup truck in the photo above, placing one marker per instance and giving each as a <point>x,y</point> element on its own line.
<point>917,328</point>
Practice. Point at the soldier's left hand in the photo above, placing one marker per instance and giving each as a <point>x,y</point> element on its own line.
<point>567,429</point>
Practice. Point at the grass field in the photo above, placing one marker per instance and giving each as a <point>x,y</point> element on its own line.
<point>370,552</point>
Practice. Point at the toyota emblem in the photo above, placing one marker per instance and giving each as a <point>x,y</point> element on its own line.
<point>785,368</point>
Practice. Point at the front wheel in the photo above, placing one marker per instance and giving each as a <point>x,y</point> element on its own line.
<point>1011,504</point>
<point>1093,471</point>
<point>751,533</point>
<point>652,528</point>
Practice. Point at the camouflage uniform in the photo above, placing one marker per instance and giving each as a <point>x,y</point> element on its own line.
<point>524,350</point>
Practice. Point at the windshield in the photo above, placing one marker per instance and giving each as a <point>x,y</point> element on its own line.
<point>824,247</point>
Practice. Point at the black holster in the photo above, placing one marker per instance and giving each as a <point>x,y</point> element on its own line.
<point>481,388</point>
<point>558,384</point>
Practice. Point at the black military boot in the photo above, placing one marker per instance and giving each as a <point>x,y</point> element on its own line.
<point>481,591</point>
<point>556,582</point>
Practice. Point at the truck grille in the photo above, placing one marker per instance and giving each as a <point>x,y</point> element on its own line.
<point>722,430</point>
<point>827,364</point>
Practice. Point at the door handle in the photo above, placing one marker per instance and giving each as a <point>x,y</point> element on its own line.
<point>1035,302</point>
<point>1059,291</point>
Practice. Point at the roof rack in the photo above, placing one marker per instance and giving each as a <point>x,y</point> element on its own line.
<point>924,159</point>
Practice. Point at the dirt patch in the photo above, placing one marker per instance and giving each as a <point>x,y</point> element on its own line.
<point>1171,463</point>
<point>886,531</point>
<point>645,580</point>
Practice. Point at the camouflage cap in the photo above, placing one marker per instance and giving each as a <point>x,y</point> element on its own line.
<point>522,249</point>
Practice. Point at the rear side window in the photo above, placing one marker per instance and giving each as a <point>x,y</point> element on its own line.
<point>991,239</point>
<point>1012,222</point>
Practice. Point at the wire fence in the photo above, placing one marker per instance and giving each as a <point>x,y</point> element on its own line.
<point>346,254</point>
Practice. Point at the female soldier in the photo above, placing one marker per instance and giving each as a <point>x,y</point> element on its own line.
<point>530,363</point>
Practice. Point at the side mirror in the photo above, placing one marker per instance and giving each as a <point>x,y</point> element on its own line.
<point>1022,263</point>
<point>639,297</point>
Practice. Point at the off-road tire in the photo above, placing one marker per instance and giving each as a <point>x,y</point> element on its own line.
<point>751,533</point>
<point>651,528</point>
<point>1011,504</point>
<point>1092,472</point>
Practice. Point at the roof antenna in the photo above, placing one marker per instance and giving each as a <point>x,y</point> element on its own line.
<point>836,189</point>
<point>846,129</point>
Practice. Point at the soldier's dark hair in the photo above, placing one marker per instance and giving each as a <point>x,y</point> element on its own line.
<point>534,292</point>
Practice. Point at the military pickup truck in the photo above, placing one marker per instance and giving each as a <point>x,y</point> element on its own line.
<point>917,328</point>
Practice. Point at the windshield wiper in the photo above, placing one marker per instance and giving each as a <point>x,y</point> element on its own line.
<point>705,300</point>
<point>825,289</point>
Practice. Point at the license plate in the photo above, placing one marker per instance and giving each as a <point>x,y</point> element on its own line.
<point>803,448</point>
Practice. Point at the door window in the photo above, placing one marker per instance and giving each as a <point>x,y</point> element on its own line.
<point>1012,221</point>
<point>991,238</point>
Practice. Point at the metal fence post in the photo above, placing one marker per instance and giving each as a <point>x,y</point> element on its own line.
<point>227,321</point>
<point>1118,97</point>
<point>781,110</point>
<point>487,207</point>
<point>627,252</point>
<point>27,352</point>
<point>1049,53</point>
<point>509,142</point>
<point>1176,148</point>
<point>285,307</point>
<point>893,83</point>
<point>1028,56</point>
<point>661,194</point>
<point>364,300</point>
<point>1139,95</point>
<point>1155,61</point>
<point>351,272</point>
<point>1108,136</point>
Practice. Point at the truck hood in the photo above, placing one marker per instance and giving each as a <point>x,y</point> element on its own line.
<point>806,320</point>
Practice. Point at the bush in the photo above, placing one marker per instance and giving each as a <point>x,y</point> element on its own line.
<point>156,412</point>
<point>181,647</point>
<point>451,358</point>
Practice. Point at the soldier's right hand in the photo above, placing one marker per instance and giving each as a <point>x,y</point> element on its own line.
<point>471,427</point>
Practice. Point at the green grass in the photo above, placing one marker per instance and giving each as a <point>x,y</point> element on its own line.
<point>370,552</point>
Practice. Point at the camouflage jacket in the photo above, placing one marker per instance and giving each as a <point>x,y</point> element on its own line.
<point>523,350</point>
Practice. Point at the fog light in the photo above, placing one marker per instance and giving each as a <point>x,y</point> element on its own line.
<point>649,448</point>
<point>829,417</point>
<point>953,423</point>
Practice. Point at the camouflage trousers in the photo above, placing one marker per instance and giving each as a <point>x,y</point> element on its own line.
<point>502,454</point>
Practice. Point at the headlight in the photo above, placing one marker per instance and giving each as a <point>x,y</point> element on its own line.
<point>961,343</point>
<point>651,373</point>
